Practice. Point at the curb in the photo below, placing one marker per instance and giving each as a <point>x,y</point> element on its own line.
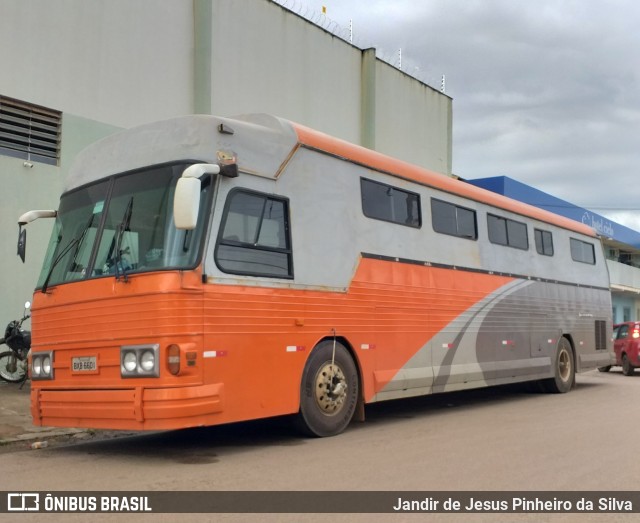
<point>41,435</point>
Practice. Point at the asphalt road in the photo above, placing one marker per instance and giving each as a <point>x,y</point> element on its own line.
<point>499,439</point>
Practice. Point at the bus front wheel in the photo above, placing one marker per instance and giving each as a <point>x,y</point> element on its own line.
<point>329,390</point>
<point>564,369</point>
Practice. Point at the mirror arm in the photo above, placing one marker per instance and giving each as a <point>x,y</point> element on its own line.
<point>200,169</point>
<point>31,216</point>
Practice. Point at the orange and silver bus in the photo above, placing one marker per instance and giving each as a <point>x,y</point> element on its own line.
<point>207,270</point>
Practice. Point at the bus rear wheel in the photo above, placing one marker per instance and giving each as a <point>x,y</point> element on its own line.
<point>329,390</point>
<point>564,369</point>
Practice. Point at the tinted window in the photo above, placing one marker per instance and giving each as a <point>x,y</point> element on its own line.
<point>544,242</point>
<point>507,232</point>
<point>497,229</point>
<point>254,236</point>
<point>448,218</point>
<point>582,251</point>
<point>384,202</point>
<point>623,331</point>
<point>517,235</point>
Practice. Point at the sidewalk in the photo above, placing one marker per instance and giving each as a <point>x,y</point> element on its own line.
<point>15,418</point>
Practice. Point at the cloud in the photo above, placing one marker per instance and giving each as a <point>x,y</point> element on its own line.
<point>545,92</point>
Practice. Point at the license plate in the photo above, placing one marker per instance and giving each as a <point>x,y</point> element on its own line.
<point>84,364</point>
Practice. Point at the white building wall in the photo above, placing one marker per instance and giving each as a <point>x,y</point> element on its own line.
<point>413,121</point>
<point>624,276</point>
<point>119,63</point>
<point>276,62</point>
<point>625,295</point>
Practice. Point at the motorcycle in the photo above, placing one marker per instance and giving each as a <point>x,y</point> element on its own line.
<point>14,363</point>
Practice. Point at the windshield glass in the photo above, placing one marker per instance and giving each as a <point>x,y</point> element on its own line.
<point>121,226</point>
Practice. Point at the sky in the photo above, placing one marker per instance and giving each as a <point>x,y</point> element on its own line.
<point>546,91</point>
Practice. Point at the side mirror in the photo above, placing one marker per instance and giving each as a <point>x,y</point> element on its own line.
<point>22,243</point>
<point>186,200</point>
<point>26,218</point>
<point>186,203</point>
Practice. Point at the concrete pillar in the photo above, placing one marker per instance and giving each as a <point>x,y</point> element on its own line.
<point>368,99</point>
<point>202,56</point>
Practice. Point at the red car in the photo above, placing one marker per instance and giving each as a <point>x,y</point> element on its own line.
<point>626,344</point>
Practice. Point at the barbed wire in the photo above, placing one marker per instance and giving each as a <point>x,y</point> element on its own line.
<point>333,27</point>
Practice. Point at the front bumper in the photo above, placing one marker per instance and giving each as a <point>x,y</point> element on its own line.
<point>136,408</point>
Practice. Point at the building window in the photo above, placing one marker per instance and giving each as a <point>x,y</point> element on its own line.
<point>254,236</point>
<point>511,233</point>
<point>544,242</point>
<point>30,132</point>
<point>390,204</point>
<point>582,252</point>
<point>448,218</point>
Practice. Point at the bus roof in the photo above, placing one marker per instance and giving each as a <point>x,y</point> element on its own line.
<point>263,145</point>
<point>383,163</point>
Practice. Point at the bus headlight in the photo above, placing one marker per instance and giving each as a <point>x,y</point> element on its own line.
<point>147,361</point>
<point>42,366</point>
<point>129,361</point>
<point>139,361</point>
<point>36,367</point>
<point>46,365</point>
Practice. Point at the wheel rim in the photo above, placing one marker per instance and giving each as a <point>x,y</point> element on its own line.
<point>331,389</point>
<point>564,365</point>
<point>12,369</point>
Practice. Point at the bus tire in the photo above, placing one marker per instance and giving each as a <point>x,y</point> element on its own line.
<point>329,391</point>
<point>564,369</point>
<point>627,368</point>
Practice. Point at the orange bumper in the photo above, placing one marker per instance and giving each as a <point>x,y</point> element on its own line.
<point>137,408</point>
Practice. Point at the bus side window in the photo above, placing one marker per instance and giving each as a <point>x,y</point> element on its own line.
<point>504,231</point>
<point>390,204</point>
<point>448,218</point>
<point>544,242</point>
<point>254,237</point>
<point>582,252</point>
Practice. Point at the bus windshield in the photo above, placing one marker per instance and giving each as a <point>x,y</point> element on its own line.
<point>121,225</point>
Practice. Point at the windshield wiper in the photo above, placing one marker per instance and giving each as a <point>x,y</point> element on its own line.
<point>122,228</point>
<point>76,242</point>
